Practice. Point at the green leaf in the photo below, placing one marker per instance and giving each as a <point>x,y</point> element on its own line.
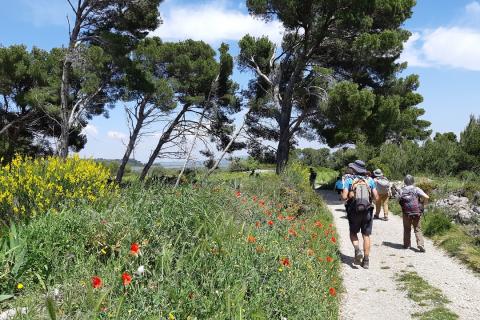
<point>4,297</point>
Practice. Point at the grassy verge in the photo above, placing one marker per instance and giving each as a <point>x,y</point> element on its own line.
<point>245,248</point>
<point>425,295</point>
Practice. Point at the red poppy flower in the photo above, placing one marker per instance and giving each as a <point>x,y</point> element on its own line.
<point>251,239</point>
<point>134,249</point>
<point>320,259</point>
<point>126,279</point>
<point>261,203</point>
<point>257,224</point>
<point>318,224</point>
<point>290,218</point>
<point>330,225</point>
<point>254,198</point>
<point>329,259</point>
<point>285,262</point>
<point>302,227</point>
<point>96,282</point>
<point>333,239</point>
<point>332,292</point>
<point>270,222</point>
<point>280,217</point>
<point>292,232</point>
<point>268,213</point>
<point>238,194</point>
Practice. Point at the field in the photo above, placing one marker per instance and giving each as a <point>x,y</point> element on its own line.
<point>234,247</point>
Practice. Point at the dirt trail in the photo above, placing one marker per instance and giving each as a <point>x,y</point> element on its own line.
<point>374,294</point>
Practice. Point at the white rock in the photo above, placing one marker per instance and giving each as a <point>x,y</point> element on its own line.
<point>11,313</point>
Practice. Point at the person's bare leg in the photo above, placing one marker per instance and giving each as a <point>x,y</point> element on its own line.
<point>366,245</point>
<point>358,253</point>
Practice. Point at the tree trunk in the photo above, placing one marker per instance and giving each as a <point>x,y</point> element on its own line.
<point>131,145</point>
<point>283,148</point>
<point>224,152</point>
<point>163,139</point>
<point>64,86</point>
<point>191,149</point>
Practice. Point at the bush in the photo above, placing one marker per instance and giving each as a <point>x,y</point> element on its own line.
<point>31,186</point>
<point>436,223</point>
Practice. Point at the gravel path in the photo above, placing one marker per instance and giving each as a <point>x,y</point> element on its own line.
<point>374,294</point>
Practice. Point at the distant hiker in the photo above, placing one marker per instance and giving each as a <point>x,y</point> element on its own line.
<point>383,189</point>
<point>410,199</point>
<point>313,177</point>
<point>359,191</point>
<point>252,173</point>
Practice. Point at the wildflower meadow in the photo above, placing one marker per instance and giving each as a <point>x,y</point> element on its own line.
<point>235,247</point>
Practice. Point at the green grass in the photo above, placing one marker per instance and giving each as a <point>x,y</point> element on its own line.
<point>438,313</point>
<point>195,251</point>
<point>425,295</point>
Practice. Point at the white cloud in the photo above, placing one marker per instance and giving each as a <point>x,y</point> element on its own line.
<point>114,135</point>
<point>473,8</point>
<point>90,130</point>
<point>453,47</point>
<point>213,22</point>
<point>411,53</point>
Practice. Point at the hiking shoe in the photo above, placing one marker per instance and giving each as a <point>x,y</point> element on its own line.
<point>365,263</point>
<point>358,256</point>
<point>376,217</point>
<point>385,219</point>
<point>421,248</point>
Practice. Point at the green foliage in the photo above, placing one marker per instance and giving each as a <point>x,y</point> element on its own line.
<point>311,157</point>
<point>470,142</point>
<point>194,248</point>
<point>436,223</point>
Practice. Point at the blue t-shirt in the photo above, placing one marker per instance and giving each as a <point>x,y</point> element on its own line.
<point>349,181</point>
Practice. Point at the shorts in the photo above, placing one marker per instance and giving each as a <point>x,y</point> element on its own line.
<point>360,221</point>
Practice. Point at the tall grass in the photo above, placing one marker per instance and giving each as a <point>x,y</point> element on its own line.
<point>265,250</point>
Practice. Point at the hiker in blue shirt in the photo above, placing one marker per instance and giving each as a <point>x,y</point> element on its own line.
<point>360,191</point>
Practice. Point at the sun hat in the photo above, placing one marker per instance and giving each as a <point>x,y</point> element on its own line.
<point>358,166</point>
<point>378,173</point>
<point>409,180</point>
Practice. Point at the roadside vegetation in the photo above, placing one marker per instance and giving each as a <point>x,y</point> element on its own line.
<point>221,250</point>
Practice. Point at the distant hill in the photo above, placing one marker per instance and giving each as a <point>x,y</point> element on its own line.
<point>131,162</point>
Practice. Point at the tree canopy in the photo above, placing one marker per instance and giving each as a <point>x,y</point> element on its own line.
<point>334,76</point>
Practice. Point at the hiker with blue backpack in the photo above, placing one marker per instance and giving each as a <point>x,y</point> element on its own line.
<point>383,188</point>
<point>359,191</point>
<point>412,199</point>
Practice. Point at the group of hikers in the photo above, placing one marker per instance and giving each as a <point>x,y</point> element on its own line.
<point>365,193</point>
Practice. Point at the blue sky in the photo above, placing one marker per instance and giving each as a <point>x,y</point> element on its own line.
<point>444,50</point>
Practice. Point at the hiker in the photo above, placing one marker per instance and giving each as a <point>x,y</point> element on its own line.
<point>313,177</point>
<point>383,189</point>
<point>359,191</point>
<point>412,199</point>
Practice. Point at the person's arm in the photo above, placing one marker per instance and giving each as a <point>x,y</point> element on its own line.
<point>423,196</point>
<point>375,195</point>
<point>345,194</point>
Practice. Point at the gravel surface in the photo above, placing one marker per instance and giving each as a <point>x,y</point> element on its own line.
<point>374,293</point>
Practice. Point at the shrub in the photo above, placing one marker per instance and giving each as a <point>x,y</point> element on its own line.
<point>31,186</point>
<point>436,223</point>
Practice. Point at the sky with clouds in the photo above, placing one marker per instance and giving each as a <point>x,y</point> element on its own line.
<point>444,50</point>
